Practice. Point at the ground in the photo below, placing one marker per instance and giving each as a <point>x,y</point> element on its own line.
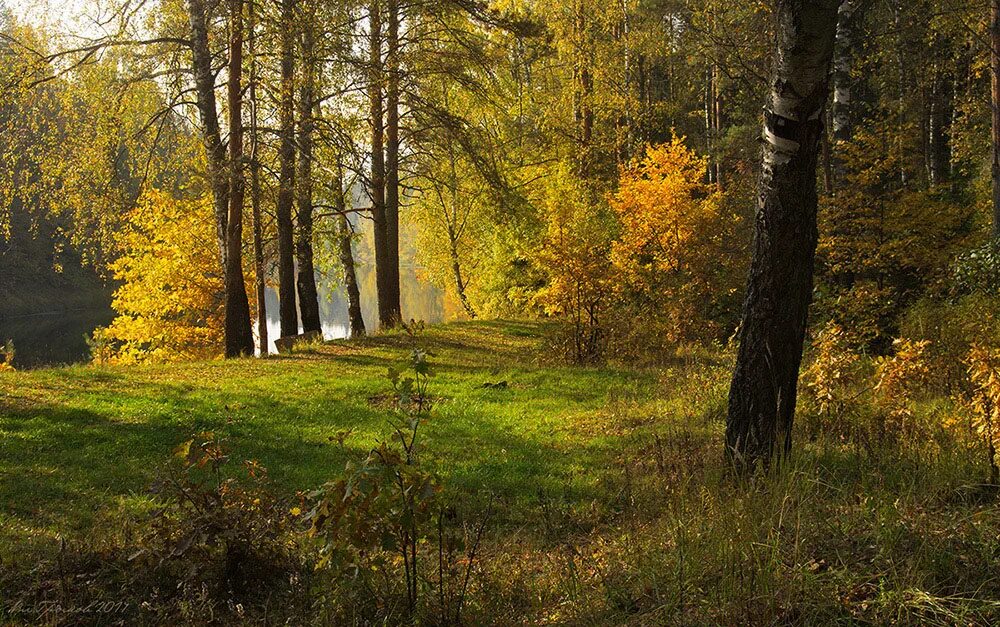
<point>611,501</point>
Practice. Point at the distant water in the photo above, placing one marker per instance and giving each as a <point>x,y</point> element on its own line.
<point>420,301</point>
<point>50,339</point>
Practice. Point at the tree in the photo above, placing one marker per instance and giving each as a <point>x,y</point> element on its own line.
<point>383,257</point>
<point>346,254</point>
<point>393,71</point>
<point>287,310</point>
<point>223,175</point>
<point>779,289</point>
<point>306,280</point>
<point>995,104</point>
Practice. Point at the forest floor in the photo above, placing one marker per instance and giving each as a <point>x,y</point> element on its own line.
<point>609,501</point>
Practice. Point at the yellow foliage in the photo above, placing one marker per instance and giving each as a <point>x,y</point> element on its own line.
<point>170,303</point>
<point>575,255</point>
<point>900,377</point>
<point>672,232</point>
<point>984,374</point>
<point>830,375</point>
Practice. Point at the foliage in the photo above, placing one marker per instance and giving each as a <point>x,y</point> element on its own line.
<point>899,380</point>
<point>983,363</point>
<point>574,255</point>
<point>7,355</point>
<point>882,246</point>
<point>670,261</point>
<point>224,528</point>
<point>170,301</point>
<point>376,516</point>
<point>977,271</point>
<point>830,377</point>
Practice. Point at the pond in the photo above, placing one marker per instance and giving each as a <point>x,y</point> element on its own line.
<point>52,338</point>
<point>48,339</point>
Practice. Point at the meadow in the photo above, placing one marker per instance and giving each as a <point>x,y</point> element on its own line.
<point>601,492</point>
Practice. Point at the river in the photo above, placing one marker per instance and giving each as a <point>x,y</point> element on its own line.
<point>49,339</point>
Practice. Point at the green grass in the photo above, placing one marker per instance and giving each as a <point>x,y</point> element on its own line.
<point>613,505</point>
<point>76,439</point>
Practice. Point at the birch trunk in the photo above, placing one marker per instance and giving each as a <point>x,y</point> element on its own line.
<point>779,289</point>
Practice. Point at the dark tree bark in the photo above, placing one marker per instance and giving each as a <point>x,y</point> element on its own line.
<point>392,162</point>
<point>779,289</point>
<point>354,317</point>
<point>208,114</point>
<point>938,139</point>
<point>306,281</point>
<point>843,83</point>
<point>239,336</point>
<point>255,193</point>
<point>286,175</point>
<point>225,177</point>
<point>995,100</point>
<point>383,274</point>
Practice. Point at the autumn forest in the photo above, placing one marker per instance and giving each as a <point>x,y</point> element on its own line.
<point>500,312</point>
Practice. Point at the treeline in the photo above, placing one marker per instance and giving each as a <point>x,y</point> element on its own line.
<point>596,161</point>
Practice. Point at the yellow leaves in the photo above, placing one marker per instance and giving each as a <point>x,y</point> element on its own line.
<point>670,225</point>
<point>900,377</point>
<point>831,372</point>
<point>169,302</point>
<point>984,374</point>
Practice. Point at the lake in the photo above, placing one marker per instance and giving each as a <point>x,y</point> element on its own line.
<point>58,338</point>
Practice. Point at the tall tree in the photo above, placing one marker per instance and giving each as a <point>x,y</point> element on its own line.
<point>355,319</point>
<point>260,284</point>
<point>843,82</point>
<point>779,289</point>
<point>306,280</point>
<point>226,178</point>
<point>383,258</point>
<point>392,304</point>
<point>995,101</point>
<point>239,337</point>
<point>286,175</point>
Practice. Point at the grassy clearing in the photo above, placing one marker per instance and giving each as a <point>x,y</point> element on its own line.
<point>613,506</point>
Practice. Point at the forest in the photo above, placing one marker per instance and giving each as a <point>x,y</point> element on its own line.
<point>500,312</point>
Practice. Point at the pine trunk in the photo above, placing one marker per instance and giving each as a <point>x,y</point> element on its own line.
<point>392,162</point>
<point>238,333</point>
<point>225,180</point>
<point>255,194</point>
<point>383,274</point>
<point>779,289</point>
<point>286,175</point>
<point>306,281</point>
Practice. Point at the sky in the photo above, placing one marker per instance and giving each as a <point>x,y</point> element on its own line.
<point>64,18</point>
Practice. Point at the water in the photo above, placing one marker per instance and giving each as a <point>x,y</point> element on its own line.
<point>420,301</point>
<point>58,338</point>
<point>52,338</point>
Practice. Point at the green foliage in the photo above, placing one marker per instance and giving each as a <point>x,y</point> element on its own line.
<point>977,271</point>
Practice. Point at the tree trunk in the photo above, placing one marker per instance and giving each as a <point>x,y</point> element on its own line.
<point>995,100</point>
<point>383,274</point>
<point>843,65</point>
<point>306,281</point>
<point>238,333</point>
<point>354,317</point>
<point>208,113</point>
<point>456,269</point>
<point>392,162</point>
<point>255,193</point>
<point>779,288</point>
<point>225,177</point>
<point>286,175</point>
<point>939,118</point>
